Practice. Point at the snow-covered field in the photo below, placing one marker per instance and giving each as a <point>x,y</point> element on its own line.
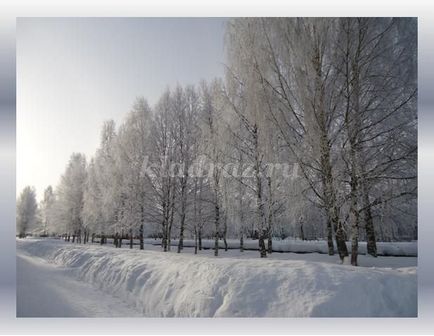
<point>56,278</point>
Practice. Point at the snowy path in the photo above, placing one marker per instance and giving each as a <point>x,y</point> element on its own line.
<point>45,290</point>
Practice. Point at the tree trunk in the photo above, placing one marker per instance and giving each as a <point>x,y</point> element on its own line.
<point>330,245</point>
<point>241,218</point>
<point>165,227</point>
<point>200,239</point>
<point>354,212</point>
<point>329,195</point>
<point>369,223</point>
<point>259,201</point>
<point>131,238</point>
<point>340,239</point>
<point>262,249</point>
<point>141,237</point>
<point>370,233</point>
<point>332,210</point>
<point>183,210</point>
<point>181,234</point>
<point>195,241</point>
<point>169,228</point>
<point>270,243</point>
<point>225,230</point>
<point>355,240</point>
<point>354,219</point>
<point>142,220</point>
<point>241,221</point>
<point>270,217</point>
<point>217,230</point>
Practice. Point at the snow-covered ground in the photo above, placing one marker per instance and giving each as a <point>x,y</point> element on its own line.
<point>56,278</point>
<point>46,290</point>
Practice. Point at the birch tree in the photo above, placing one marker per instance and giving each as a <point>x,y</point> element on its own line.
<point>26,211</point>
<point>70,196</point>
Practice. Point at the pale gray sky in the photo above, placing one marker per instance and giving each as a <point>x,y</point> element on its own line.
<point>72,74</point>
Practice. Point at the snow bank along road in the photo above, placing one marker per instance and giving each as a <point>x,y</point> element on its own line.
<point>45,290</point>
<point>61,279</point>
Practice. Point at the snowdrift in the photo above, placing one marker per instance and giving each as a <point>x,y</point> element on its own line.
<point>175,285</point>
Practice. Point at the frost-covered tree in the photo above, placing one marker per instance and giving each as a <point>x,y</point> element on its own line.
<point>185,132</point>
<point>92,202</point>
<point>70,195</point>
<point>132,152</point>
<point>108,178</point>
<point>318,78</point>
<point>26,211</point>
<point>212,125</point>
<point>162,185</point>
<point>48,211</point>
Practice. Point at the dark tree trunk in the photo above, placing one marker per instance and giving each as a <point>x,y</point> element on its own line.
<point>217,229</point>
<point>370,233</point>
<point>142,220</point>
<point>225,230</point>
<point>369,223</point>
<point>259,202</point>
<point>331,248</point>
<point>200,239</point>
<point>270,243</point>
<point>341,244</point>
<point>354,218</point>
<point>270,217</point>
<point>165,227</point>
<point>241,226</point>
<point>195,241</point>
<point>262,249</point>
<point>181,234</point>
<point>170,225</point>
<point>141,237</point>
<point>183,211</point>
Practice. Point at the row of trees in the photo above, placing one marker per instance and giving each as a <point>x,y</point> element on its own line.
<point>312,133</point>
